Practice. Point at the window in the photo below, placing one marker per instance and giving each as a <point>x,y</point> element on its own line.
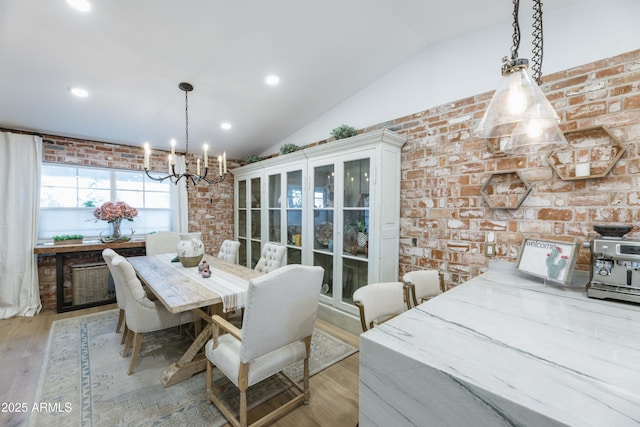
<point>70,194</point>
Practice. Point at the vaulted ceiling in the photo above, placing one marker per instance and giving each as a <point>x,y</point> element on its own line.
<point>131,55</point>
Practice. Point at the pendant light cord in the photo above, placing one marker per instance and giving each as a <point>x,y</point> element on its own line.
<point>536,60</point>
<point>516,31</point>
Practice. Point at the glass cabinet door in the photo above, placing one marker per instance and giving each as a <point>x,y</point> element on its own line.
<point>256,224</point>
<point>285,211</point>
<point>355,221</point>
<point>294,217</point>
<point>323,224</point>
<point>242,221</point>
<point>274,195</point>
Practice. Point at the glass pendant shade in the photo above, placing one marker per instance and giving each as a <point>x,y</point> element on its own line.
<point>531,136</point>
<point>517,106</point>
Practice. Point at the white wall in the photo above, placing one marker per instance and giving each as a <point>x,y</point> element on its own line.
<point>470,65</point>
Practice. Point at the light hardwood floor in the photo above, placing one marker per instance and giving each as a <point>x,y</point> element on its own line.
<point>334,391</point>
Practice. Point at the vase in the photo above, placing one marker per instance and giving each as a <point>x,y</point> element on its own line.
<point>115,235</point>
<point>190,249</point>
<point>115,229</point>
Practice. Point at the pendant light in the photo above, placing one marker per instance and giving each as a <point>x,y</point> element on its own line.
<point>519,110</point>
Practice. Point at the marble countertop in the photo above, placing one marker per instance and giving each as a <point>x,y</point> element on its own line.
<point>524,352</point>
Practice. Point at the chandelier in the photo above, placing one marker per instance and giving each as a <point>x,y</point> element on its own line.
<point>519,114</point>
<point>196,178</point>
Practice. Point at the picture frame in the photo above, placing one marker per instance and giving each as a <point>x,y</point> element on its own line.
<point>551,260</point>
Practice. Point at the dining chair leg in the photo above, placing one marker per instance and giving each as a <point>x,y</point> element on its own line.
<point>243,381</point>
<point>127,344</point>
<point>137,343</point>
<point>125,332</point>
<point>307,342</point>
<point>209,389</point>
<point>243,408</point>
<point>120,320</point>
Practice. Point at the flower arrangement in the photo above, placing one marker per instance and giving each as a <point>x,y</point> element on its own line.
<point>112,212</point>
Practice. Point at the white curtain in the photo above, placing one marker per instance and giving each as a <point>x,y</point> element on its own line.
<point>20,168</point>
<point>180,201</point>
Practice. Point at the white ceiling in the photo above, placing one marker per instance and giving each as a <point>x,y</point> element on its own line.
<point>132,54</point>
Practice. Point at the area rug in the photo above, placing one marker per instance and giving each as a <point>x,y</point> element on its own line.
<point>84,379</point>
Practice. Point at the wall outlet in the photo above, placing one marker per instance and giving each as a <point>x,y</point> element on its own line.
<point>490,249</point>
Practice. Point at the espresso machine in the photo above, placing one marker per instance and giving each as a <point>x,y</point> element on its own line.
<point>615,265</point>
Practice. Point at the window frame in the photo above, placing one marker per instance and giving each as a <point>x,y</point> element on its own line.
<point>47,236</point>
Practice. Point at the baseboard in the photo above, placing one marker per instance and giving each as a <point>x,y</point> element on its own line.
<point>344,321</point>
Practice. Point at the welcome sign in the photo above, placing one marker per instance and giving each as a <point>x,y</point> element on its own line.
<point>548,259</point>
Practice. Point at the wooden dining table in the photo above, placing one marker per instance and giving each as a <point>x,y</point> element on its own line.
<point>183,289</point>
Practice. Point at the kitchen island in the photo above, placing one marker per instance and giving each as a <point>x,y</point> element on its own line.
<point>504,349</point>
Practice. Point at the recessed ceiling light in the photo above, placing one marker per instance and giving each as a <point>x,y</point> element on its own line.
<point>272,80</point>
<point>81,5</point>
<point>225,125</point>
<point>79,92</point>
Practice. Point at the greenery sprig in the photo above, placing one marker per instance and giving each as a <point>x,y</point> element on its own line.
<point>344,131</point>
<point>288,148</point>
<point>68,237</point>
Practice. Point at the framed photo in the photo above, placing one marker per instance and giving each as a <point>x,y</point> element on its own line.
<point>548,259</point>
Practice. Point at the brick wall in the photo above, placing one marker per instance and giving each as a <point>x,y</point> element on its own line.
<point>444,167</point>
<point>210,206</point>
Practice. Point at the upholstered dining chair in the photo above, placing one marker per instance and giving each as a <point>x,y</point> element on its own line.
<point>423,285</point>
<point>278,322</point>
<point>108,255</point>
<point>162,242</point>
<point>229,251</point>
<point>271,257</point>
<point>141,314</point>
<point>379,302</point>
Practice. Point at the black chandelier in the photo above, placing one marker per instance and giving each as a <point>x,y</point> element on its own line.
<point>196,178</point>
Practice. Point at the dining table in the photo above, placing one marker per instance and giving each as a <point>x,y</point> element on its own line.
<point>183,289</point>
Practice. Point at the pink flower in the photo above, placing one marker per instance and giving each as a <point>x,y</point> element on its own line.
<point>110,212</point>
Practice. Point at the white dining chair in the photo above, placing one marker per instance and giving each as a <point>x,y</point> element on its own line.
<point>108,255</point>
<point>162,242</point>
<point>379,302</point>
<point>229,251</point>
<point>278,323</point>
<point>141,314</point>
<point>424,285</point>
<point>271,258</point>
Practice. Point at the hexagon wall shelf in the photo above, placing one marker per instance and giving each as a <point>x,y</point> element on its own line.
<point>592,153</point>
<point>493,144</point>
<point>505,190</point>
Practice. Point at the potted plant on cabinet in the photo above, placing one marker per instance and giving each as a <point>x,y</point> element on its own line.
<point>344,131</point>
<point>288,148</point>
<point>68,239</point>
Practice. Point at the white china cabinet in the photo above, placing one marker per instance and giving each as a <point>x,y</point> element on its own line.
<point>336,205</point>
